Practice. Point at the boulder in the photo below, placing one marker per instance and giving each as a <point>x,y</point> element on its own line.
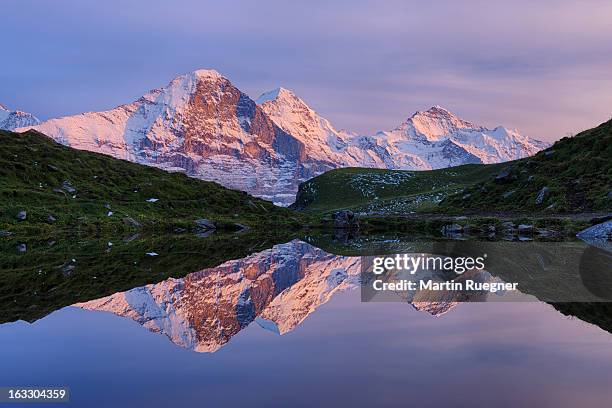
<point>21,248</point>
<point>51,218</point>
<point>67,187</point>
<point>451,229</point>
<point>5,233</point>
<point>131,222</point>
<point>503,176</point>
<point>542,195</point>
<point>242,227</point>
<point>508,193</point>
<point>22,215</point>
<point>204,224</point>
<point>345,219</point>
<point>525,229</point>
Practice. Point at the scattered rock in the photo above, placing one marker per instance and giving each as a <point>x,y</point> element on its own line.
<point>22,215</point>
<point>130,221</point>
<point>542,195</point>
<point>204,224</point>
<point>530,178</point>
<point>68,267</point>
<point>465,197</point>
<point>152,254</point>
<point>107,206</point>
<point>451,229</point>
<point>5,233</point>
<point>52,167</point>
<point>525,229</point>
<point>152,200</point>
<point>545,233</point>
<point>345,219</point>
<point>508,225</point>
<point>205,233</point>
<point>51,218</point>
<point>461,217</point>
<point>508,193</point>
<point>67,187</point>
<point>503,176</point>
<point>492,229</point>
<point>130,238</point>
<point>110,213</point>
<point>21,248</point>
<point>179,230</point>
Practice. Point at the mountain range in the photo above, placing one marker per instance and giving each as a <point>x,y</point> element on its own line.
<point>204,126</point>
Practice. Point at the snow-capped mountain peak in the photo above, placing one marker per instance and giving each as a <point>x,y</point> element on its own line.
<point>11,120</point>
<point>435,123</point>
<point>204,126</point>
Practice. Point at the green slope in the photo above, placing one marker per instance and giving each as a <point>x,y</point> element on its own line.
<point>387,191</point>
<point>80,189</point>
<point>576,172</point>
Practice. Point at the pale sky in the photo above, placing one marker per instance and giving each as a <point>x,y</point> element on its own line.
<point>543,67</point>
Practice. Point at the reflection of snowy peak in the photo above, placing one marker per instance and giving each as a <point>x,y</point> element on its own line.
<point>203,125</point>
<point>10,120</point>
<point>277,288</point>
<point>203,311</point>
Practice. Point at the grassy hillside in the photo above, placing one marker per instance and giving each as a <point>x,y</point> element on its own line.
<point>58,273</point>
<point>387,191</point>
<point>573,175</point>
<point>63,188</point>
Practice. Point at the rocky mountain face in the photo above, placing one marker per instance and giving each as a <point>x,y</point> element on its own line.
<point>10,120</point>
<point>204,126</point>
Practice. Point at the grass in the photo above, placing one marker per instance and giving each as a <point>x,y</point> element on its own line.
<point>386,191</point>
<point>576,172</point>
<point>92,193</point>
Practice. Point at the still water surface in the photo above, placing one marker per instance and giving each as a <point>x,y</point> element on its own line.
<point>286,327</point>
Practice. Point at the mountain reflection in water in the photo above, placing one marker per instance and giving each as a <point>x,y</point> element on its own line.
<point>277,288</point>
